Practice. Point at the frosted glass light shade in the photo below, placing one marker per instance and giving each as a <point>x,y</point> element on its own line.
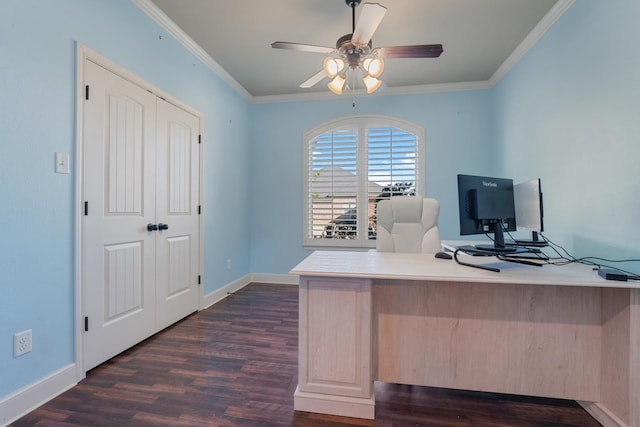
<point>337,84</point>
<point>332,66</point>
<point>371,83</point>
<point>374,66</point>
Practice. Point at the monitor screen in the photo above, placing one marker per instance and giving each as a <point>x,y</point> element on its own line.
<point>486,205</point>
<point>528,202</point>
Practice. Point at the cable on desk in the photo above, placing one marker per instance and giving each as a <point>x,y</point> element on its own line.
<point>565,258</point>
<point>588,260</point>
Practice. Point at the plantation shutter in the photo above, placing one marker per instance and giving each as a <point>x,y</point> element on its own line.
<point>351,164</point>
<point>333,185</point>
<point>391,159</point>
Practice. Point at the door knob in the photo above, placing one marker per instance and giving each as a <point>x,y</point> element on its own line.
<point>151,227</point>
<point>162,226</point>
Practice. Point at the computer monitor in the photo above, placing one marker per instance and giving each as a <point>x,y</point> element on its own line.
<point>486,205</point>
<point>529,213</point>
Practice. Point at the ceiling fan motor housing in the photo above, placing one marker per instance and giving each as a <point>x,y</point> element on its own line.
<point>350,52</point>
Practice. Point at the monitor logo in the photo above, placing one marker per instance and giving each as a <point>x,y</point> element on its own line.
<point>490,184</point>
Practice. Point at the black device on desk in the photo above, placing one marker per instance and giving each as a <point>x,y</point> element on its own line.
<point>486,205</point>
<point>443,255</point>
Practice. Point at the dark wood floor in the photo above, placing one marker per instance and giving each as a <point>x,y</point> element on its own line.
<point>235,364</point>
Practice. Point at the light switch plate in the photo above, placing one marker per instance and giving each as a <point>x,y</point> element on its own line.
<point>62,162</point>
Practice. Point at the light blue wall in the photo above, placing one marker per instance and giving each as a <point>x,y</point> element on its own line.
<point>569,113</point>
<point>457,127</point>
<point>37,118</point>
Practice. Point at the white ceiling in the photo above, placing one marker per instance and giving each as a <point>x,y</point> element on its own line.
<point>482,39</point>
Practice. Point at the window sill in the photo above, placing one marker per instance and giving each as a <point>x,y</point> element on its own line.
<point>325,247</point>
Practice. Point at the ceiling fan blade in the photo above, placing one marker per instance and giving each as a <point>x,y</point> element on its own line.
<point>301,47</point>
<point>370,17</point>
<point>416,51</point>
<point>313,80</point>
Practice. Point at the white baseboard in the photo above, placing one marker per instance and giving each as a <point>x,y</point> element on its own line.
<point>23,401</point>
<point>223,292</point>
<point>602,414</point>
<point>226,290</point>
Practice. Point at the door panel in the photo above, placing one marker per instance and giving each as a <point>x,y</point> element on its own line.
<point>141,166</point>
<point>122,281</point>
<point>119,186</point>
<point>177,200</point>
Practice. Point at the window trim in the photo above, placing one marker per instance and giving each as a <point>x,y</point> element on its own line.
<point>360,123</point>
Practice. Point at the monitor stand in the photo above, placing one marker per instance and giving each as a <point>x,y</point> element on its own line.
<point>493,250</point>
<point>533,242</point>
<point>502,255</point>
<point>498,248</point>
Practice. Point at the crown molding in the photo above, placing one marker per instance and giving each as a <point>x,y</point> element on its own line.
<point>165,22</point>
<point>358,94</point>
<point>532,38</point>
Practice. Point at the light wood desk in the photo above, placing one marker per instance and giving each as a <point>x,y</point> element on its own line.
<point>552,331</point>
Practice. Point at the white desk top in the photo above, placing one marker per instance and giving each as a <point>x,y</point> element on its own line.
<point>405,266</point>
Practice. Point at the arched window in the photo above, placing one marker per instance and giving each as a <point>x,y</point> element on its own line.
<point>350,165</point>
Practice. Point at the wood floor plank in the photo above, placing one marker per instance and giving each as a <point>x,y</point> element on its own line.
<point>235,365</point>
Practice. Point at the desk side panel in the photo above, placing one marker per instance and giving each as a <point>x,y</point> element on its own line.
<point>335,337</point>
<point>521,339</point>
<point>616,312</point>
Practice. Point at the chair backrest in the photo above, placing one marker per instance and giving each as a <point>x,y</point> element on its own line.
<point>408,224</point>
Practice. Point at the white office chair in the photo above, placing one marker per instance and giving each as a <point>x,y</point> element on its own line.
<point>408,224</point>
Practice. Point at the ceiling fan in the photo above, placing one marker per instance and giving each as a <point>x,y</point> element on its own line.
<point>354,51</point>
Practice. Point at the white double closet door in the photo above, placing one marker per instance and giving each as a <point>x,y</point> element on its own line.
<point>141,228</point>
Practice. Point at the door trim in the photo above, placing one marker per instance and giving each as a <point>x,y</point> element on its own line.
<point>83,54</point>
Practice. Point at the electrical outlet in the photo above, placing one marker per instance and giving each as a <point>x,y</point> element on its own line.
<point>22,343</point>
<point>228,264</point>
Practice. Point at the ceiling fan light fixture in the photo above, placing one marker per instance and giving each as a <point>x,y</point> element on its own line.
<point>332,66</point>
<point>371,83</point>
<point>354,52</point>
<point>374,66</point>
<point>337,84</point>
